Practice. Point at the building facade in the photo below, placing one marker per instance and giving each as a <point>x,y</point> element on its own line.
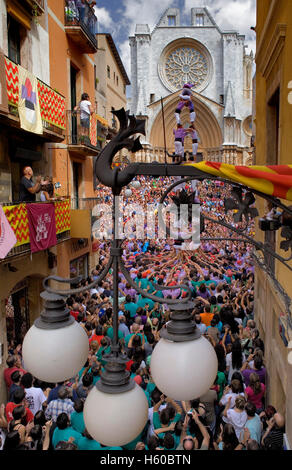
<point>172,54</point>
<point>48,43</point>
<point>273,142</point>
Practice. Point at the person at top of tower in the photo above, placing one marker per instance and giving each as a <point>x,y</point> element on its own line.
<point>185,100</point>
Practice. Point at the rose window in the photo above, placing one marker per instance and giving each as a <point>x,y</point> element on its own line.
<point>184,65</point>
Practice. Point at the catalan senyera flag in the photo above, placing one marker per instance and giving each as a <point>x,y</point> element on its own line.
<point>273,180</point>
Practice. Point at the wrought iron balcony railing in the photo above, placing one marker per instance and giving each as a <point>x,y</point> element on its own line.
<point>81,25</point>
<point>82,135</point>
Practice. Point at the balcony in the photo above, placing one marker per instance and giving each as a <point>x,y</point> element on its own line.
<point>52,105</point>
<point>17,217</point>
<point>81,26</point>
<point>82,142</point>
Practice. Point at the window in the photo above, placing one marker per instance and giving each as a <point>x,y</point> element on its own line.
<point>152,98</point>
<point>114,122</point>
<point>117,81</point>
<point>13,39</point>
<point>200,20</point>
<point>124,89</point>
<point>273,123</point>
<point>171,20</point>
<point>108,72</point>
<point>95,78</point>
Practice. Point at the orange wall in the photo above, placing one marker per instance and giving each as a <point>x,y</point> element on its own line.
<point>62,52</point>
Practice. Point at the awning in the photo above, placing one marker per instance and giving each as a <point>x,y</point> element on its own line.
<point>102,120</point>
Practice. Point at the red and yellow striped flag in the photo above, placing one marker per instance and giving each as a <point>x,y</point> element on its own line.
<point>274,180</point>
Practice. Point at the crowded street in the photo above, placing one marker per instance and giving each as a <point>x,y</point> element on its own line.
<point>145,230</point>
<point>40,415</point>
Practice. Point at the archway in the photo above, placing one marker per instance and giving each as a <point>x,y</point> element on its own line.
<point>206,124</point>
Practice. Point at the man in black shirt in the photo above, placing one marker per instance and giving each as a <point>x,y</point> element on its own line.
<point>273,437</point>
<point>27,188</point>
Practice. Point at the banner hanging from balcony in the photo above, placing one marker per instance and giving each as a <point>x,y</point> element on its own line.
<point>93,130</point>
<point>7,237</point>
<point>3,94</point>
<point>18,219</point>
<point>28,102</point>
<point>42,226</point>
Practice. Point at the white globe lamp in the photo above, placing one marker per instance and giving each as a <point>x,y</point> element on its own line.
<point>183,364</point>
<point>115,419</point>
<point>55,348</point>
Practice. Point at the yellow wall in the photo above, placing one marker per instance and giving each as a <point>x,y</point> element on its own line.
<point>115,96</point>
<point>274,69</point>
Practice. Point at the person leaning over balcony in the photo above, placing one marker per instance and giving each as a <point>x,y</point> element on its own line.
<point>27,188</point>
<point>86,110</point>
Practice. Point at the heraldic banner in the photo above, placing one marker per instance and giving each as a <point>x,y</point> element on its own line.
<point>7,237</point>
<point>42,226</point>
<point>28,102</point>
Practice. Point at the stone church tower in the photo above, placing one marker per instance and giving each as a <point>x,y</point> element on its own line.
<point>216,62</point>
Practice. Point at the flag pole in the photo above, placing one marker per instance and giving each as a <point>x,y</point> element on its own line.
<point>163,121</point>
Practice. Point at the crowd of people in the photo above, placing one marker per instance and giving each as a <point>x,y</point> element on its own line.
<point>233,414</point>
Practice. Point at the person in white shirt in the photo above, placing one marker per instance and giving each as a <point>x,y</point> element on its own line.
<point>34,396</point>
<point>86,110</point>
<point>232,391</point>
<point>236,416</point>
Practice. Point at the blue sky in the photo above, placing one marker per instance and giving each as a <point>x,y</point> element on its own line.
<point>119,17</point>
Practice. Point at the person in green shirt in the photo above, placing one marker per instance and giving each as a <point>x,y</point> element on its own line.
<point>222,382</point>
<point>130,306</point>
<point>63,431</point>
<point>143,301</point>
<point>86,442</point>
<point>110,333</point>
<point>77,418</point>
<point>169,416</point>
<point>110,448</point>
<point>142,282</point>
<point>135,329</point>
<point>104,349</point>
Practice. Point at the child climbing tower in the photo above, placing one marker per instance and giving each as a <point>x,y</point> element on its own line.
<point>185,100</point>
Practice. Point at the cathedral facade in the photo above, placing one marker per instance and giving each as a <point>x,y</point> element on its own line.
<point>216,63</point>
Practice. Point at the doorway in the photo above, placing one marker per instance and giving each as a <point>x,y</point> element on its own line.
<point>73,81</point>
<point>17,314</point>
<point>77,177</point>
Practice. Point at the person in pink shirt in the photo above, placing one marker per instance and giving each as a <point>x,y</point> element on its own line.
<point>255,391</point>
